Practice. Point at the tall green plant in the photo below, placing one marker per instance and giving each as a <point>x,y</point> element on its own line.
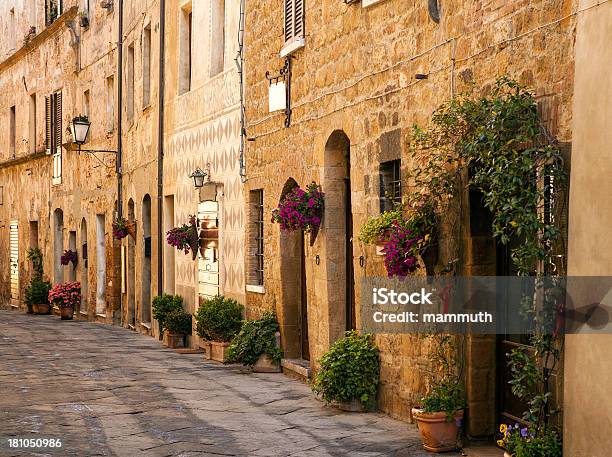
<point>497,145</point>
<point>36,257</point>
<point>163,305</point>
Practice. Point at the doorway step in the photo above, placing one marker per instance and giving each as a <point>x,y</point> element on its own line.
<point>296,368</point>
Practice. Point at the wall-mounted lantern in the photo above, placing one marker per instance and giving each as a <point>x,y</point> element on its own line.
<point>199,177</point>
<point>80,129</point>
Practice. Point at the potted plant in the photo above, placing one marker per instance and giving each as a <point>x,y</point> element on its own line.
<point>257,345</point>
<point>122,228</point>
<point>440,415</point>
<point>218,321</point>
<point>521,441</point>
<point>376,229</point>
<point>69,256</point>
<point>349,373</point>
<point>185,238</point>
<point>163,305</point>
<point>37,296</point>
<point>301,210</point>
<point>66,297</point>
<point>178,324</point>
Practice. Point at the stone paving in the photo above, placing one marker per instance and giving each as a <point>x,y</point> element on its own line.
<point>105,390</point>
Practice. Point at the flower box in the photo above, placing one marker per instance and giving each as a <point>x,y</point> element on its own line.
<point>266,365</point>
<point>218,351</point>
<point>174,340</point>
<point>206,347</point>
<point>41,308</point>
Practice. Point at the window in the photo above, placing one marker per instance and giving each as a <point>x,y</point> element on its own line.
<point>13,132</point>
<point>32,13</point>
<point>217,50</point>
<point>146,66</point>
<point>32,125</point>
<point>390,184</point>
<point>130,82</point>
<point>256,238</point>
<point>293,26</point>
<point>53,133</point>
<point>12,32</point>
<point>53,10</point>
<point>110,103</point>
<point>86,103</point>
<point>185,50</point>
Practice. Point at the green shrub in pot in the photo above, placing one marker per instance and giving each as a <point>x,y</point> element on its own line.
<point>349,371</point>
<point>256,338</point>
<point>164,305</point>
<point>37,292</point>
<point>178,322</point>
<point>219,319</point>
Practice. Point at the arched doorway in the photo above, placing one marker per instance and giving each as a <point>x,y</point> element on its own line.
<point>131,272</point>
<point>58,246</point>
<point>100,264</point>
<point>294,302</point>
<point>145,306</point>
<point>338,222</point>
<point>84,268</point>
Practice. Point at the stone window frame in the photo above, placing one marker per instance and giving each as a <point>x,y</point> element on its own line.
<point>390,179</point>
<point>255,233</point>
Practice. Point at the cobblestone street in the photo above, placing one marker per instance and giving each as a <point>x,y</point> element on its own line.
<point>109,391</point>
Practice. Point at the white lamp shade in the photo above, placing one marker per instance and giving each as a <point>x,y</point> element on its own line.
<point>80,129</point>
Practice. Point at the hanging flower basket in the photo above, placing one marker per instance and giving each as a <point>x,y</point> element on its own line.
<point>120,229</point>
<point>301,209</point>
<point>69,256</point>
<point>185,238</point>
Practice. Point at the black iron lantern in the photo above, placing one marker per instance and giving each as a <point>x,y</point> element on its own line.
<point>80,129</point>
<point>198,177</point>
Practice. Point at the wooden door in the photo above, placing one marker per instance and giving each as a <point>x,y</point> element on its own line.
<point>208,258</point>
<point>14,261</point>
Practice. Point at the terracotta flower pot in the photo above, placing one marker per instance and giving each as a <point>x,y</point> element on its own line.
<point>506,454</point>
<point>265,365</point>
<point>218,351</point>
<point>174,340</point>
<point>206,347</point>
<point>353,406</point>
<point>437,432</point>
<point>66,314</point>
<point>41,308</point>
<point>131,229</point>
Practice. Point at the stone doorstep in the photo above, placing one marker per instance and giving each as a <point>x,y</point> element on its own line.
<point>296,368</point>
<point>188,351</point>
<point>482,450</point>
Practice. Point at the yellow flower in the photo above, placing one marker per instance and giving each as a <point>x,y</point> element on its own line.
<point>514,223</point>
<point>503,428</point>
<point>500,443</point>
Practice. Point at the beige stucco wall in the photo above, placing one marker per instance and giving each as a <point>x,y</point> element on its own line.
<point>202,128</point>
<point>588,360</point>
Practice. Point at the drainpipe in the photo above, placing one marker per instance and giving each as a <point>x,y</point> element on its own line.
<point>240,65</point>
<point>160,148</point>
<point>119,160</point>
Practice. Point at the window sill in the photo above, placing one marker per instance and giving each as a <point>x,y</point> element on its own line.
<point>366,3</point>
<point>292,47</point>
<point>101,315</point>
<point>146,325</point>
<point>256,289</point>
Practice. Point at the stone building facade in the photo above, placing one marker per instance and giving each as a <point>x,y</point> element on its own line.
<point>75,208</point>
<point>362,74</point>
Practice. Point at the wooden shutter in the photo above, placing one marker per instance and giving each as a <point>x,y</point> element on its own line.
<point>289,20</point>
<point>294,20</point>
<point>58,122</point>
<point>48,126</point>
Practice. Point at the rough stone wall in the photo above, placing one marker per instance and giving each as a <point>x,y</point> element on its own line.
<point>357,74</point>
<point>53,61</point>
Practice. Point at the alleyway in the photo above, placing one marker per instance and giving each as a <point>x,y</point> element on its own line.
<point>108,391</point>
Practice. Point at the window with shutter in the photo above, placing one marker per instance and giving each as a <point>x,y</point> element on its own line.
<point>294,26</point>
<point>48,124</point>
<point>56,136</point>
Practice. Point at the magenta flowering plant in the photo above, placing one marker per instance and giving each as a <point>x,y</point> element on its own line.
<point>185,237</point>
<point>300,209</point>
<point>401,248</point>
<point>66,295</point>
<point>120,229</point>
<point>68,256</point>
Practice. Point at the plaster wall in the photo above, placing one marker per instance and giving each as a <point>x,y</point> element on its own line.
<point>588,363</point>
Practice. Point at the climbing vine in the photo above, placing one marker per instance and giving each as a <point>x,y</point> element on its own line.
<point>496,144</point>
